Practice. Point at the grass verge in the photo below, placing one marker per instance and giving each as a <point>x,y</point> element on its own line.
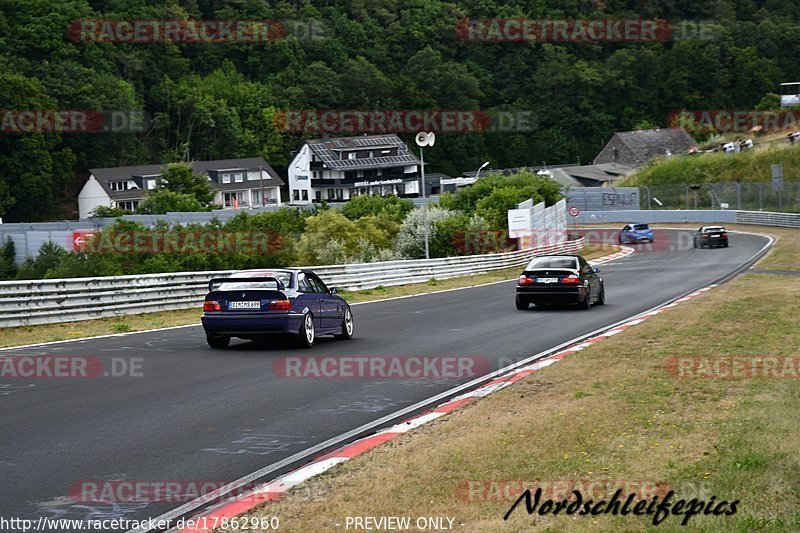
<point>123,324</point>
<point>613,413</point>
<point>744,167</point>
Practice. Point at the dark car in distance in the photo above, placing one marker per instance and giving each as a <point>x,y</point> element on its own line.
<point>560,279</point>
<point>252,304</point>
<point>708,236</point>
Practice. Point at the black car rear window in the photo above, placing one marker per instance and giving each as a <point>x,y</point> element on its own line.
<point>553,262</point>
<point>715,229</point>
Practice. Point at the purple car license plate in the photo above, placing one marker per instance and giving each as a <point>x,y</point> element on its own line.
<point>244,305</point>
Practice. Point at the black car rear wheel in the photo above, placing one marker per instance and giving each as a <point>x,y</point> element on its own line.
<point>587,301</point>
<point>601,298</point>
<point>347,326</point>
<point>218,341</point>
<point>306,335</point>
<point>521,305</point>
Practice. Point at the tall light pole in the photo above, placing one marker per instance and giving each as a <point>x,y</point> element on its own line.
<point>425,139</point>
<point>478,174</point>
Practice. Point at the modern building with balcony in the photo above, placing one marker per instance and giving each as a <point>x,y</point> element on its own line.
<point>338,169</point>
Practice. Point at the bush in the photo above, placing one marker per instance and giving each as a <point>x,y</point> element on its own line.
<point>330,237</point>
<point>50,257</point>
<point>461,234</point>
<point>180,178</point>
<point>394,208</point>
<point>104,211</point>
<point>492,196</point>
<point>164,201</point>
<point>8,267</point>
<point>411,238</point>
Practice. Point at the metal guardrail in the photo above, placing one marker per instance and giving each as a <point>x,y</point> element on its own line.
<point>767,218</point>
<point>25,303</point>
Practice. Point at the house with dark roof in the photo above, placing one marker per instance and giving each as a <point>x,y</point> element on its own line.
<point>237,183</point>
<point>599,175</point>
<point>340,168</point>
<point>635,148</point>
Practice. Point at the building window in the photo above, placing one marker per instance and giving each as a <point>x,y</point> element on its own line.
<point>318,195</point>
<point>296,194</point>
<point>305,195</point>
<point>331,194</point>
<point>226,178</point>
<point>255,194</point>
<point>122,185</point>
<point>238,177</point>
<point>152,184</point>
<point>616,154</point>
<point>351,155</point>
<point>229,197</point>
<point>128,205</point>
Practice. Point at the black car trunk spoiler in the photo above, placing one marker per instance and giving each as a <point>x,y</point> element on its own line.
<point>219,281</point>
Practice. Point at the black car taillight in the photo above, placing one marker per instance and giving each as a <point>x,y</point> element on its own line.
<point>525,280</point>
<point>572,279</point>
<point>210,305</point>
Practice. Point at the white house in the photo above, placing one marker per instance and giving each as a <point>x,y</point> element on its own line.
<point>341,168</point>
<point>248,182</point>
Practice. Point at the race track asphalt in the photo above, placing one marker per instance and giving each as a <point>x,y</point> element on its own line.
<point>201,414</point>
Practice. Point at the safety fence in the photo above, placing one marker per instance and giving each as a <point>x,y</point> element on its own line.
<point>33,302</point>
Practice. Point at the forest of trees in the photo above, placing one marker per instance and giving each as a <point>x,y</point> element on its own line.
<point>214,101</point>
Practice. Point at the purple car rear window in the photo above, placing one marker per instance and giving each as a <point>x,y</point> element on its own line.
<point>283,276</point>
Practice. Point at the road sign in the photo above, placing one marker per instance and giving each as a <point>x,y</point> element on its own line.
<point>574,211</point>
<point>777,178</point>
<point>80,239</point>
<point>519,223</point>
